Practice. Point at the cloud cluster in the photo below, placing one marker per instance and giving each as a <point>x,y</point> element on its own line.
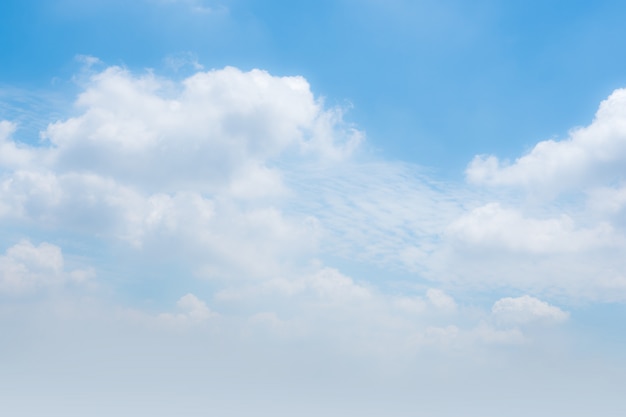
<point>251,184</point>
<point>191,165</point>
<point>244,246</point>
<point>564,231</point>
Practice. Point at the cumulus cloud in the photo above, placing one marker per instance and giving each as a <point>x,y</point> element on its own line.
<point>201,133</point>
<point>12,154</point>
<point>26,268</point>
<point>526,310</point>
<point>494,226</point>
<point>590,156</point>
<point>564,233</point>
<point>191,164</point>
<point>193,310</point>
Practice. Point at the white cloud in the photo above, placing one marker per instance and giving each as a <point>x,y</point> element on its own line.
<point>488,334</point>
<point>190,164</point>
<point>328,306</point>
<point>395,217</point>
<point>193,310</point>
<point>325,285</point>
<point>331,284</point>
<point>590,156</point>
<point>245,238</point>
<point>200,133</point>
<point>440,299</point>
<point>246,180</point>
<point>88,61</point>
<point>571,243</point>
<point>493,226</point>
<point>526,310</point>
<point>12,155</point>
<point>72,202</point>
<point>181,60</point>
<point>26,268</point>
<point>607,200</point>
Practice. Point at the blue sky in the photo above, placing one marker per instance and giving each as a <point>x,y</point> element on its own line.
<point>312,208</point>
<point>478,77</point>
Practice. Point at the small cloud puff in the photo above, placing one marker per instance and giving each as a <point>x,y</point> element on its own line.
<point>526,310</point>
<point>181,60</point>
<point>193,310</point>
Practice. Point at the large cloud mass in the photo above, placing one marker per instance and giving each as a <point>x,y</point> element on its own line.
<point>147,160</point>
<point>204,133</point>
<point>251,186</point>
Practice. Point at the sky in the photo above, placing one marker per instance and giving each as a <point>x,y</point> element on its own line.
<point>338,208</point>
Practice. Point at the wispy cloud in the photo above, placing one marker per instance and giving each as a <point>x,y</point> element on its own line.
<point>198,6</point>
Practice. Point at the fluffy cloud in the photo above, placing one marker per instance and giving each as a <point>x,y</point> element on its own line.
<point>591,155</point>
<point>26,268</point>
<point>249,240</point>
<point>608,200</point>
<point>203,133</point>
<point>493,246</point>
<point>246,180</point>
<point>191,165</point>
<point>525,310</point>
<point>549,222</point>
<point>193,310</point>
<point>493,226</point>
<point>11,153</point>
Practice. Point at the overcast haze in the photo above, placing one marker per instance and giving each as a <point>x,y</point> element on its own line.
<point>315,208</point>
